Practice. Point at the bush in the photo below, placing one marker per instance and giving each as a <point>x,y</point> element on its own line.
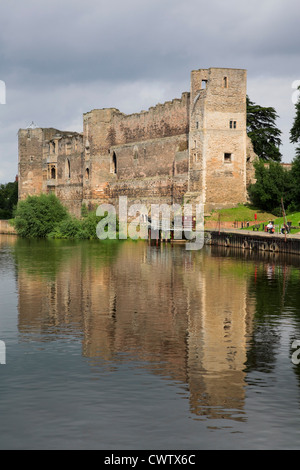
<point>68,228</point>
<point>89,226</point>
<point>44,216</point>
<point>72,228</point>
<point>38,216</point>
<point>84,211</point>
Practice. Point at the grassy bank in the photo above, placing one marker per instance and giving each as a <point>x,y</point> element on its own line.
<point>242,213</point>
<point>247,214</point>
<point>293,218</point>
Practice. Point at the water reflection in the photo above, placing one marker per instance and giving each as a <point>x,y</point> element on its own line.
<point>202,319</point>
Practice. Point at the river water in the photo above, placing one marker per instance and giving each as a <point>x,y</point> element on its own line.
<point>122,345</point>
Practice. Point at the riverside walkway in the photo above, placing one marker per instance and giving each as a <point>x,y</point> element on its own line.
<point>251,240</point>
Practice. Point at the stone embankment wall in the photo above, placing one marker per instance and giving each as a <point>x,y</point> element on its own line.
<point>6,228</point>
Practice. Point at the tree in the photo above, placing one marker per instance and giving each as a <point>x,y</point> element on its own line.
<point>295,175</point>
<point>295,172</point>
<point>295,130</point>
<point>273,182</point>
<point>262,130</point>
<point>8,199</point>
<point>38,215</point>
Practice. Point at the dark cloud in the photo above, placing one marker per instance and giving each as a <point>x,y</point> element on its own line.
<point>62,58</point>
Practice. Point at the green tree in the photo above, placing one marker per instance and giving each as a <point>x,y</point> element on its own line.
<point>295,172</point>
<point>295,130</point>
<point>37,216</point>
<point>295,176</point>
<point>263,132</point>
<point>8,199</point>
<point>273,182</point>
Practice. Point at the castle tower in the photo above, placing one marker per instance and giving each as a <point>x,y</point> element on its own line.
<point>33,167</point>
<point>99,163</point>
<point>50,161</point>
<point>217,138</point>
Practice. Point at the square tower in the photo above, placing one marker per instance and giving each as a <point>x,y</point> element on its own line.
<point>217,137</point>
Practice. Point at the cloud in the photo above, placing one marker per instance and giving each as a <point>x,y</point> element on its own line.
<point>119,40</point>
<point>269,90</point>
<point>60,59</point>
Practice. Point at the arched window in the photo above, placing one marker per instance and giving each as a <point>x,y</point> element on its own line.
<point>114,163</point>
<point>53,173</point>
<point>87,174</point>
<point>68,169</point>
<point>53,148</point>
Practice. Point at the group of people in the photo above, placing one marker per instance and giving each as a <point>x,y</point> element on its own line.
<point>285,229</point>
<point>271,228</point>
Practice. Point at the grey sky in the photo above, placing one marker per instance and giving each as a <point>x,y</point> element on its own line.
<point>60,59</point>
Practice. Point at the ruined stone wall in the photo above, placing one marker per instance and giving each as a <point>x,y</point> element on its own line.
<point>70,172</point>
<point>163,120</point>
<point>146,170</point>
<point>143,156</point>
<point>194,148</point>
<point>51,161</point>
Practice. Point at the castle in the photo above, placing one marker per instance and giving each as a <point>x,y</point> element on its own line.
<point>192,149</point>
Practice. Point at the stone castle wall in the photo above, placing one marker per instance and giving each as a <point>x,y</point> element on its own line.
<point>194,147</point>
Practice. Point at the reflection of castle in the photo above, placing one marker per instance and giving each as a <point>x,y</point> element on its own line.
<point>183,314</point>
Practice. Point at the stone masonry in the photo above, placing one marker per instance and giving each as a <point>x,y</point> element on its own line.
<point>190,149</point>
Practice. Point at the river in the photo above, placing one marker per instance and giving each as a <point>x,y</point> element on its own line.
<point>122,345</point>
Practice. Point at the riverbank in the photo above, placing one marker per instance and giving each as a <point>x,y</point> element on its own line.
<point>6,228</point>
<point>255,241</point>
